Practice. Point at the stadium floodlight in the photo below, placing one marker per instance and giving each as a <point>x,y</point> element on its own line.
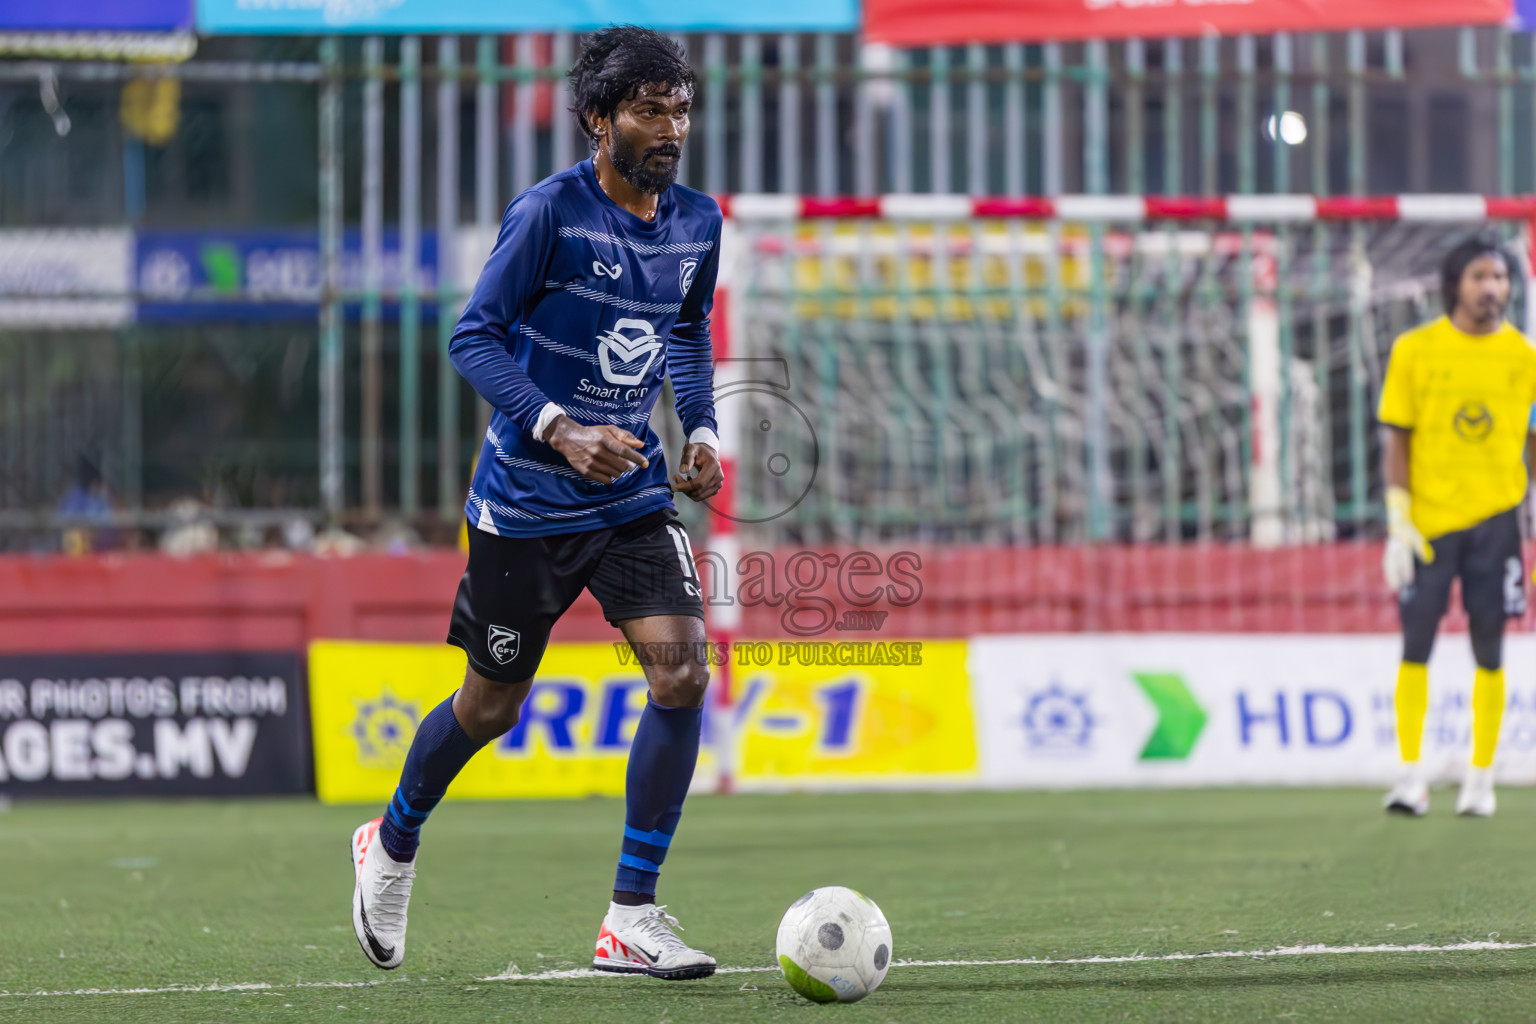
<point>1289,128</point>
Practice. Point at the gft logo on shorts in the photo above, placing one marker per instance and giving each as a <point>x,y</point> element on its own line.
<point>1473,421</point>
<point>502,643</point>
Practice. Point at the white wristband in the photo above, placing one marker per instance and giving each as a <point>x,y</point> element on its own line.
<point>546,417</point>
<point>703,435</point>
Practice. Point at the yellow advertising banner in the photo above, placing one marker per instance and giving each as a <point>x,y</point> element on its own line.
<point>893,714</point>
<point>806,715</point>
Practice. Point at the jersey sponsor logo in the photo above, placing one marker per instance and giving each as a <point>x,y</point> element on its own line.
<point>616,349</point>
<point>1473,421</point>
<point>502,643</point>
<point>686,269</point>
<point>601,269</point>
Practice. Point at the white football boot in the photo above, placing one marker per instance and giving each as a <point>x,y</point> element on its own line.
<point>379,899</point>
<point>1410,795</point>
<point>1476,799</point>
<point>640,940</point>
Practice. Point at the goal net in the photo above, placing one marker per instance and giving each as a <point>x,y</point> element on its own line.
<point>957,377</point>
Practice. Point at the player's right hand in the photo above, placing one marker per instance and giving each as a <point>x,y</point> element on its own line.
<point>602,453</point>
<point>1405,543</point>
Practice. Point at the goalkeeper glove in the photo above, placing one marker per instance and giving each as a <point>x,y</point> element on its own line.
<point>1404,541</point>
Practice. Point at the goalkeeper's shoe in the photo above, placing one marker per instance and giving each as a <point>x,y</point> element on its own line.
<point>380,897</point>
<point>1476,799</point>
<point>1410,796</point>
<point>640,940</point>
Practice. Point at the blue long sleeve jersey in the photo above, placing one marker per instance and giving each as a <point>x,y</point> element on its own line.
<point>584,305</point>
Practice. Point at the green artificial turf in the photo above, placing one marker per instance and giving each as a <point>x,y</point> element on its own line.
<point>149,895</point>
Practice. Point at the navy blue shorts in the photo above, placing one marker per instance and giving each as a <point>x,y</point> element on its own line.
<point>514,589</point>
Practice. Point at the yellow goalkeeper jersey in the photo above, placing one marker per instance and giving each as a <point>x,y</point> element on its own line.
<point>1468,399</point>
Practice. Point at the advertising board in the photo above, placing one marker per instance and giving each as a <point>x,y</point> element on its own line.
<point>1212,710</point>
<point>66,278</point>
<point>98,16</point>
<point>196,276</point>
<point>384,16</point>
<point>182,724</point>
<point>921,23</point>
<point>800,721</point>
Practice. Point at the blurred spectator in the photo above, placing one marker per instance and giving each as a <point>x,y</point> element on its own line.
<point>190,532</point>
<point>250,536</point>
<point>87,499</point>
<point>339,543</point>
<point>396,538</point>
<point>299,534</point>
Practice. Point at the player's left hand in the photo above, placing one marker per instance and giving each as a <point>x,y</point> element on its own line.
<point>700,476</point>
<point>1405,544</point>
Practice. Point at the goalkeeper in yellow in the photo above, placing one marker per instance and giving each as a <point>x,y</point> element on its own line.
<point>1456,423</point>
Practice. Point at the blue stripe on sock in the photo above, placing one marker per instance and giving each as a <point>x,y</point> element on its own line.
<point>657,838</point>
<point>629,860</point>
<point>407,809</point>
<point>404,825</point>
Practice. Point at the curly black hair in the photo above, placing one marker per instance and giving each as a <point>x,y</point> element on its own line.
<point>616,63</point>
<point>1459,258</point>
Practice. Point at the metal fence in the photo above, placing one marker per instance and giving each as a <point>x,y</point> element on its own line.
<point>399,140</point>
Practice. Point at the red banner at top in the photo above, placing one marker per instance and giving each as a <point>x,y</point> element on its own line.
<point>925,22</point>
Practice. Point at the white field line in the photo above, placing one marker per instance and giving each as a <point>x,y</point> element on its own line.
<point>243,986</point>
<point>1314,949</point>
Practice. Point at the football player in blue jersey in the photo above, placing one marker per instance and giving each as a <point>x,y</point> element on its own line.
<point>599,286</point>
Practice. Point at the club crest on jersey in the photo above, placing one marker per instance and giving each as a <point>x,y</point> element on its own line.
<point>1473,421</point>
<point>685,269</point>
<point>617,352</point>
<point>502,643</point>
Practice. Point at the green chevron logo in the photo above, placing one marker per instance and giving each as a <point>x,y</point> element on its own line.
<point>222,264</point>
<point>1180,719</point>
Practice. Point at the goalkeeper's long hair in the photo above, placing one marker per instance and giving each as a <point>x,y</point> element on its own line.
<point>616,63</point>
<point>1460,258</point>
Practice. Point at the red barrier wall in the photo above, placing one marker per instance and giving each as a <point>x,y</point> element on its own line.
<point>1126,588</point>
<point>279,601</point>
<point>250,602</point>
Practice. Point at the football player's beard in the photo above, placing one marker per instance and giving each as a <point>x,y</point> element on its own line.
<point>635,169</point>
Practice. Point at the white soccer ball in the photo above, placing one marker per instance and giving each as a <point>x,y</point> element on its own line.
<point>834,945</point>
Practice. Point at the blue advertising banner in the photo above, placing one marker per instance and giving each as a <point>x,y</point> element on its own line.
<point>1525,15</point>
<point>329,16</point>
<point>199,276</point>
<point>97,16</point>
